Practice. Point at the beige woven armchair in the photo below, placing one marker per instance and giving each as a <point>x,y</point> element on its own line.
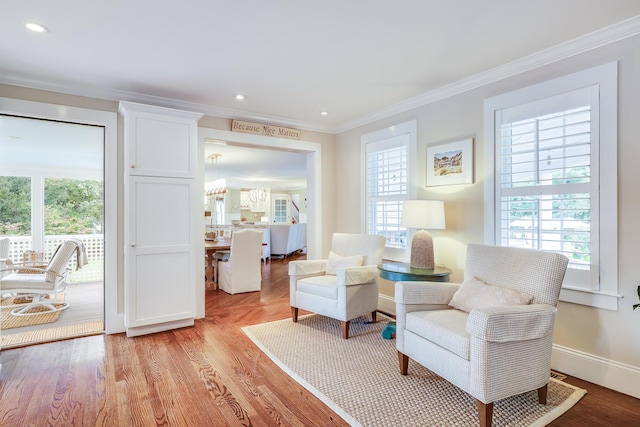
<point>342,287</point>
<point>498,343</point>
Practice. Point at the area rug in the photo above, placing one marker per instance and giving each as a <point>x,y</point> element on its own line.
<point>51,334</point>
<point>359,378</point>
<point>9,321</point>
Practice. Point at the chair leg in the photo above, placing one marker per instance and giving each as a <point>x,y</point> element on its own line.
<point>37,301</point>
<point>373,316</point>
<point>294,314</point>
<point>345,329</point>
<point>403,359</point>
<point>542,394</point>
<point>485,413</point>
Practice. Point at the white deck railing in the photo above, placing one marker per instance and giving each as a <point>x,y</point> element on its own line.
<point>93,245</point>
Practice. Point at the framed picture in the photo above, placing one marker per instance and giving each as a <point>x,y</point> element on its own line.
<point>449,164</point>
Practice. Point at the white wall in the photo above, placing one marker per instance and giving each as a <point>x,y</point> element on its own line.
<point>601,346</point>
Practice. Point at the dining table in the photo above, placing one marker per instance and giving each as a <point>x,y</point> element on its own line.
<point>210,248</point>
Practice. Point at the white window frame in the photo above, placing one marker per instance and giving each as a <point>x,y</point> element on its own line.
<point>410,129</point>
<point>605,79</point>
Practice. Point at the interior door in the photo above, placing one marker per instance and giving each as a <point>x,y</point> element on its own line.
<point>281,208</point>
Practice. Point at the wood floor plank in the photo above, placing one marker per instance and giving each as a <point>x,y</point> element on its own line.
<point>208,374</point>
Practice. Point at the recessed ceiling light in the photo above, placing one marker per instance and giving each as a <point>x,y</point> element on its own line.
<point>324,113</point>
<point>36,27</point>
<point>240,97</point>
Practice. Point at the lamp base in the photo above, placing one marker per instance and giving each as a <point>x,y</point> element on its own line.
<point>422,250</point>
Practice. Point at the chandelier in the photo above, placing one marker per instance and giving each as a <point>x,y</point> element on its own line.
<point>216,187</point>
<point>258,195</point>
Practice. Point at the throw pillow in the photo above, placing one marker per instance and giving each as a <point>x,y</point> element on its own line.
<point>338,262</point>
<point>474,293</point>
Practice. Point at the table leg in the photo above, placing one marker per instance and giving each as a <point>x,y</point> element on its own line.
<point>210,284</point>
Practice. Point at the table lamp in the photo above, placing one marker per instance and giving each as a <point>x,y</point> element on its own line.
<point>422,215</point>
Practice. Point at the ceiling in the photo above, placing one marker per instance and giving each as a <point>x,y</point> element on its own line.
<point>358,60</point>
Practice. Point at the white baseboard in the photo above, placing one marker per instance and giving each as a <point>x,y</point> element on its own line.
<point>115,326</point>
<point>598,370</point>
<point>386,304</point>
<point>158,327</point>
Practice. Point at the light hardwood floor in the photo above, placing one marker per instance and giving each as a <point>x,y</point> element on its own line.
<point>207,375</point>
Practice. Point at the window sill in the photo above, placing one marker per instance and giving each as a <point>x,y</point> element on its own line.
<point>590,298</point>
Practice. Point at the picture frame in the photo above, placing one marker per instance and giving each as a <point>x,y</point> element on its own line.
<point>450,164</point>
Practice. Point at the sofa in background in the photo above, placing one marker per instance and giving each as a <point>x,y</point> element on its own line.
<point>287,239</point>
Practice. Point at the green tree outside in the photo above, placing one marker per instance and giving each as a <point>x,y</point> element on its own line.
<point>71,206</point>
<point>15,206</point>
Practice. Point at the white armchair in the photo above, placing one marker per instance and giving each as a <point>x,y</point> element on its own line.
<point>498,342</point>
<point>342,287</point>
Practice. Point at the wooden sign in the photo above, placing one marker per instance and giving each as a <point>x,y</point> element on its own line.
<point>265,130</point>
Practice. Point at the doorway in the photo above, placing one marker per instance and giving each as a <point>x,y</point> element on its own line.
<point>52,181</point>
<point>51,184</point>
<point>312,152</point>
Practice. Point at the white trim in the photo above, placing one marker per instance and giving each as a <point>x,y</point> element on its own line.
<point>109,121</point>
<point>598,370</point>
<point>158,327</point>
<point>596,39</point>
<point>387,304</point>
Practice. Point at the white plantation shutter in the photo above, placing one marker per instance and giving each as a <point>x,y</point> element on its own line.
<point>387,186</point>
<point>545,174</point>
<point>546,182</point>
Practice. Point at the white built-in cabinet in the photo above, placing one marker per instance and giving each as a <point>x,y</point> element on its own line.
<point>247,204</point>
<point>258,206</point>
<point>161,211</point>
<point>245,200</point>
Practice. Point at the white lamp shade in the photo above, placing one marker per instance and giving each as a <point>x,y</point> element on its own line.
<point>423,214</point>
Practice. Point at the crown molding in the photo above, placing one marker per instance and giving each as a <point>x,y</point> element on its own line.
<point>140,98</point>
<point>619,31</point>
<point>605,36</point>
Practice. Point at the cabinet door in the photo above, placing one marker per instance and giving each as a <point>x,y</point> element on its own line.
<point>165,144</point>
<point>160,256</point>
<point>245,201</point>
<point>258,206</point>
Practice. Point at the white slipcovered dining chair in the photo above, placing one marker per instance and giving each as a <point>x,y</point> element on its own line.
<point>242,272</point>
<point>38,283</point>
<point>492,335</point>
<point>342,287</point>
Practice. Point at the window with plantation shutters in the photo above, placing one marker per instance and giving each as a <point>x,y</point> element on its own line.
<point>387,188</point>
<point>543,168</point>
<point>553,148</point>
<point>388,182</point>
